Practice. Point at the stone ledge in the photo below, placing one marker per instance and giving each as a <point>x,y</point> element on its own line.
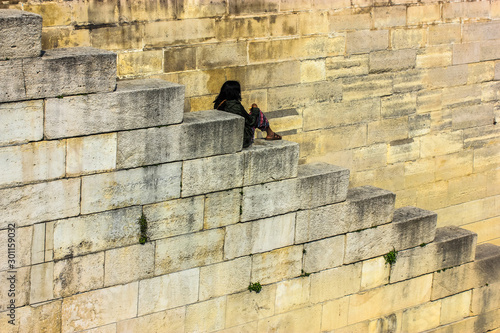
<point>20,34</point>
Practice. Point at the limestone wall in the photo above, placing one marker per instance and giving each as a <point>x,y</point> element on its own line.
<point>404,93</point>
<point>127,214</point>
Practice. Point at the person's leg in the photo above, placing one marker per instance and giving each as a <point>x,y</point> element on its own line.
<point>263,125</point>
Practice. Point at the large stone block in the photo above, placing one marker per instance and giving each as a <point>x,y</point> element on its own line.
<point>323,254</point>
<point>365,41</point>
<point>201,134</point>
<point>17,288</point>
<point>347,66</point>
<point>335,283</point>
<point>225,278</point>
<point>134,104</point>
<point>173,319</point>
<point>31,162</point>
<point>456,307</point>
<point>212,174</point>
<point>277,265</point>
<point>45,317</point>
<point>131,187</point>
<point>316,185</point>
<point>410,227</point>
<point>118,263</point>
<point>363,87</point>
<point>451,247</point>
<point>485,298</point>
<point>297,321</point>
<point>375,273</point>
<point>222,208</point>
<point>76,275</point>
<point>249,306</point>
<point>365,207</point>
<point>206,316</point>
<point>259,236</point>
<point>41,282</point>
<point>168,291</point>
<point>188,251</point>
<point>100,307</point>
<point>292,294</point>
<point>423,14</point>
<point>40,202</point>
<point>21,122</point>
<point>421,318</point>
<point>20,34</point>
<point>395,60</point>
<point>23,238</point>
<point>270,161</point>
<point>174,217</point>
<point>97,232</point>
<point>91,154</point>
<point>348,19</point>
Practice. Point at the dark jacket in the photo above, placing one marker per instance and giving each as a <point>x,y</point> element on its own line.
<point>251,119</point>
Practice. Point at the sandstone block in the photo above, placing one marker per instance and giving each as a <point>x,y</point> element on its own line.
<point>76,275</point>
<point>312,22</point>
<point>246,8</point>
<point>485,298</point>
<point>375,273</point>
<point>365,41</point>
<point>347,66</point>
<point>347,281</point>
<point>21,122</point>
<point>349,20</point>
<point>241,27</point>
<point>135,104</point>
<point>290,49</point>
<point>45,317</point>
<point>387,130</point>
<point>178,59</point>
<point>389,16</point>
<point>497,71</point>
<point>481,31</point>
<point>212,174</point>
<point>283,25</point>
<point>451,247</point>
<point>292,294</point>
<point>225,278</point>
<point>456,307</point>
<point>38,244</point>
<point>446,76</point>
<point>221,55</point>
<point>301,320</point>
<point>466,53</point>
<point>282,98</point>
<point>267,75</point>
<point>366,207</point>
<point>363,87</point>
<point>410,227</point>
<point>32,162</point>
<point>118,263</point>
<point>40,202</point>
<point>41,282</point>
<point>21,34</point>
<point>316,185</point>
<point>140,63</point>
<point>91,154</point>
<point>323,254</point>
<point>174,217</point>
<point>206,316</point>
<point>312,70</point>
<point>24,246</point>
<point>484,270</point>
<point>270,161</point>
<point>489,50</point>
<point>100,307</point>
<point>423,14</point>
<point>201,134</point>
<point>168,291</point>
<point>423,317</point>
<point>437,56</point>
<point>259,236</point>
<point>440,144</point>
<point>403,150</point>
<point>173,319</point>
<point>13,89</point>
<point>22,289</point>
<point>121,37</point>
<point>188,251</point>
<point>389,299</point>
<point>179,30</point>
<point>131,187</point>
<point>222,208</point>
<point>472,116</point>
<point>97,232</point>
<point>445,34</point>
<point>399,105</point>
<point>249,306</point>
<point>335,314</point>
<point>277,265</point>
<point>409,38</point>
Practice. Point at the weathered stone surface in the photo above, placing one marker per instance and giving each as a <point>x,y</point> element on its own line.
<point>323,254</point>
<point>375,273</point>
<point>206,316</point>
<point>365,207</point>
<point>451,247</point>
<point>97,232</point>
<point>173,319</point>
<point>45,317</point>
<point>134,104</point>
<point>118,264</point>
<point>259,236</point>
<point>20,285</point>
<point>222,208</point>
<point>41,282</point>
<point>168,291</point>
<point>456,307</point>
<point>410,227</point>
<point>225,278</point>
<point>20,34</point>
<point>21,122</point>
<point>316,185</point>
<point>395,60</point>
<point>40,202</point>
<point>174,217</point>
<point>212,174</point>
<point>100,307</point>
<point>131,187</point>
<point>365,41</point>
<point>91,154</point>
<point>347,66</point>
<point>188,251</point>
<point>292,294</point>
<point>201,134</point>
<point>423,317</point>
<point>79,274</point>
<point>301,320</point>
<point>334,314</point>
<point>31,162</point>
<point>248,306</point>
<point>266,161</point>
<point>23,246</point>
<point>277,265</point>
<point>347,281</point>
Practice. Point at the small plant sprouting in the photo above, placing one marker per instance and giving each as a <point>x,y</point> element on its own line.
<point>255,287</point>
<point>60,96</point>
<point>143,224</point>
<point>305,273</point>
<point>390,257</point>
<point>423,244</point>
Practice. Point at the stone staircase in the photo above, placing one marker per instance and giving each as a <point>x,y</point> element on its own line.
<point>84,157</point>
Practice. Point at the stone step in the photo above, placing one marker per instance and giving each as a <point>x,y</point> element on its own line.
<point>135,104</point>
<point>20,34</point>
<point>410,227</point>
<point>316,185</point>
<point>58,72</point>
<point>365,207</point>
<point>202,134</point>
<point>452,246</point>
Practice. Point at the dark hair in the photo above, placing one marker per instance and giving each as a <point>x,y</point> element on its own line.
<point>230,90</point>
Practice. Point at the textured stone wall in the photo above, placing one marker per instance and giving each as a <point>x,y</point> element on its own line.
<point>403,93</point>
